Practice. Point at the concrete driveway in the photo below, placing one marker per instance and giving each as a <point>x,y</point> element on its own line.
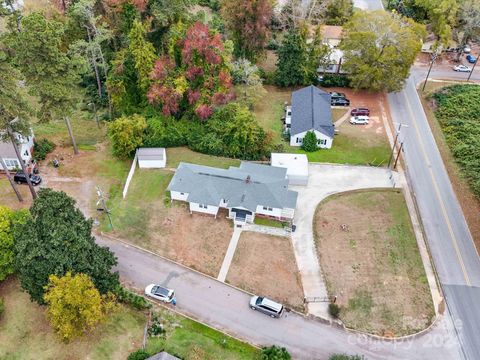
<point>325,180</point>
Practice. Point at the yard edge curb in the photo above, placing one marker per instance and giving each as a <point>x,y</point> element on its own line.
<point>307,316</point>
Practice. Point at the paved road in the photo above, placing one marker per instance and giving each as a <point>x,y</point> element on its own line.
<point>226,308</point>
<point>454,254</point>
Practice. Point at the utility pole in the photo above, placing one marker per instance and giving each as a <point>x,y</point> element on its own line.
<point>101,200</point>
<point>434,57</point>
<point>395,143</point>
<point>70,132</point>
<point>398,155</point>
<point>473,68</point>
<point>9,177</point>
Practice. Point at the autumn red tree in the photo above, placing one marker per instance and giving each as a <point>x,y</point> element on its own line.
<point>247,23</point>
<point>198,80</point>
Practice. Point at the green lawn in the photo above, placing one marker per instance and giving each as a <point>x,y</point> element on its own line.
<point>179,154</point>
<point>268,222</point>
<point>189,339</point>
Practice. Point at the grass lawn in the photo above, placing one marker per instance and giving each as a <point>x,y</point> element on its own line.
<point>275,276</point>
<point>374,266</point>
<point>179,154</point>
<point>268,222</point>
<point>147,218</point>
<point>26,334</point>
<point>189,339</point>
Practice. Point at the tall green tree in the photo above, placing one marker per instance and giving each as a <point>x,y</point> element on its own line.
<point>143,54</point>
<point>248,82</point>
<point>442,15</point>
<point>56,239</point>
<point>14,115</point>
<point>299,57</point>
<point>49,71</point>
<point>469,20</point>
<point>126,134</point>
<point>247,23</point>
<point>379,49</point>
<point>8,220</point>
<point>338,12</point>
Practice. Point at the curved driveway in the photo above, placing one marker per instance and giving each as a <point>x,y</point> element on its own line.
<point>226,308</point>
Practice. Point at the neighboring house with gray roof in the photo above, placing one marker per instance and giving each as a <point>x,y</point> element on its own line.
<point>7,151</point>
<point>311,111</point>
<point>246,191</point>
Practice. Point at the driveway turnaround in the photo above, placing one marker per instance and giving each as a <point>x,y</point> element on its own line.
<point>226,308</point>
<point>325,180</point>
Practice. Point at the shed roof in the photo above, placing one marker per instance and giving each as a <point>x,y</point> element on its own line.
<point>247,186</point>
<point>151,153</point>
<point>163,356</point>
<point>311,110</point>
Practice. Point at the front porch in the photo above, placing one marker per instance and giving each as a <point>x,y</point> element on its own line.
<point>241,216</point>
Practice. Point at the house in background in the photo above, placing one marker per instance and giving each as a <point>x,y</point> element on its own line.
<point>7,151</point>
<point>332,36</point>
<point>246,191</point>
<point>311,111</point>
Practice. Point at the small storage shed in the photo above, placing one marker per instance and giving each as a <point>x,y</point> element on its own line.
<point>296,165</point>
<point>152,158</point>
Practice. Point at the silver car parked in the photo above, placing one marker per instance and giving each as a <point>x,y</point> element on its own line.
<point>160,293</point>
<point>266,306</point>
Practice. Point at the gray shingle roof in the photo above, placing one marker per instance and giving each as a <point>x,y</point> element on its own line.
<point>7,150</point>
<point>247,186</point>
<point>311,109</point>
<point>151,153</point>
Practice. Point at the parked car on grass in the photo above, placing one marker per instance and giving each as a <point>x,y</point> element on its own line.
<point>266,306</point>
<point>160,293</point>
<point>471,59</point>
<point>360,112</point>
<point>20,178</point>
<point>359,120</point>
<point>461,68</point>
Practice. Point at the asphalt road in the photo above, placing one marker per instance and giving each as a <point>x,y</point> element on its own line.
<point>226,308</point>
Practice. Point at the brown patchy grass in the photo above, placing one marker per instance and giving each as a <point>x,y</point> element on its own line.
<point>276,276</point>
<point>468,201</point>
<point>26,334</point>
<point>373,267</point>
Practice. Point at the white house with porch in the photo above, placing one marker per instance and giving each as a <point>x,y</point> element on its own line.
<point>246,191</point>
<point>7,151</point>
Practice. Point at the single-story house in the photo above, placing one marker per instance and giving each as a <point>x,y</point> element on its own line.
<point>152,158</point>
<point>7,151</point>
<point>246,191</point>
<point>332,36</point>
<point>296,165</point>
<point>311,111</point>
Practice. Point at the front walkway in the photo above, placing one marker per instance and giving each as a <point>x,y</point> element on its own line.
<point>325,180</point>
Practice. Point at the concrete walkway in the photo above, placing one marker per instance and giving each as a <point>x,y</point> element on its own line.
<point>266,230</point>
<point>229,255</point>
<point>325,180</point>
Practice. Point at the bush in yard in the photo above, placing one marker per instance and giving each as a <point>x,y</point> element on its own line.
<point>335,80</point>
<point>139,355</point>
<point>74,305</point>
<point>42,148</point>
<point>130,298</point>
<point>126,134</point>
<point>56,239</point>
<point>334,310</point>
<point>310,142</point>
<point>8,220</point>
<point>275,353</point>
<point>346,357</point>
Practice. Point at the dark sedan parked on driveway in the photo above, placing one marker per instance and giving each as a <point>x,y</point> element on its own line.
<point>360,112</point>
<point>20,178</point>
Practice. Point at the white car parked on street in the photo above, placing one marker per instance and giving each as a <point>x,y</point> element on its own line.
<point>160,293</point>
<point>359,120</point>
<point>462,68</point>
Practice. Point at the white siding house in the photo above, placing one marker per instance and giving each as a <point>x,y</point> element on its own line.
<point>246,191</point>
<point>7,151</point>
<point>311,111</point>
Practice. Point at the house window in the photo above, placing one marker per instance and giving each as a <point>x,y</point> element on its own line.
<point>203,206</point>
<point>299,140</point>
<point>25,153</point>
<point>322,142</point>
<point>182,193</point>
<point>267,208</point>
